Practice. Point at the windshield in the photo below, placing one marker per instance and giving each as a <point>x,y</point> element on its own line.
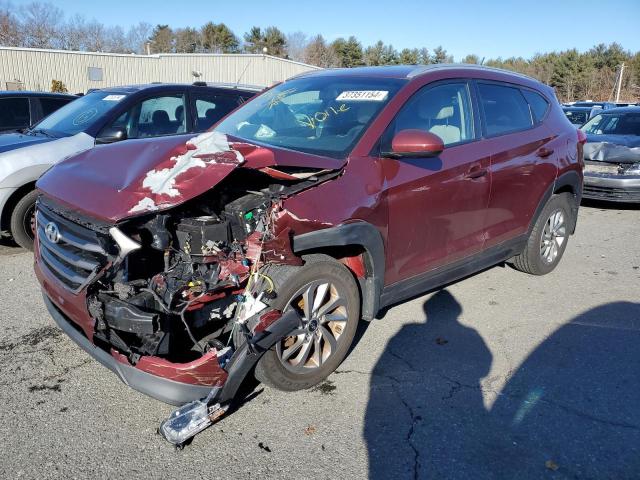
<point>613,124</point>
<point>320,115</point>
<point>80,114</point>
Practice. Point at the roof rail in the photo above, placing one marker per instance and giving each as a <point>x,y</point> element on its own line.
<point>242,86</point>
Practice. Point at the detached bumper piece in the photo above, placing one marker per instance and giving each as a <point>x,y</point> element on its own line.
<point>190,419</point>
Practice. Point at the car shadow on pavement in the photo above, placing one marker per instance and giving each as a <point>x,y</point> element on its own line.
<point>571,410</point>
<point>604,205</point>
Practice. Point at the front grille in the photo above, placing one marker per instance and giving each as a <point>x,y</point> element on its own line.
<point>614,194</point>
<point>74,255</point>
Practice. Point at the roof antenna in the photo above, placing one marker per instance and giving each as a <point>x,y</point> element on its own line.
<point>264,55</point>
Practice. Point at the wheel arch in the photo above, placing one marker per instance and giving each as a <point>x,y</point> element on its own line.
<point>360,234</point>
<point>7,209</point>
<point>568,182</point>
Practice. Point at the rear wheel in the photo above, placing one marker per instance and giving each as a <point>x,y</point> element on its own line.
<point>23,220</point>
<point>325,295</point>
<point>549,236</point>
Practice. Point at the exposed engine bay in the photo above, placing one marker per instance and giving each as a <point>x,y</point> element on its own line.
<point>194,274</point>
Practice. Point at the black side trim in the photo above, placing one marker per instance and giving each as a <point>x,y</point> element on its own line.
<point>405,289</point>
<point>573,180</point>
<point>245,358</point>
<point>357,233</point>
<point>163,389</point>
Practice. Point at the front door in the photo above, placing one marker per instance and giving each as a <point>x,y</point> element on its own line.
<point>436,205</point>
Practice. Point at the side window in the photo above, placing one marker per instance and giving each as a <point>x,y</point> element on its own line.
<point>50,105</point>
<point>154,117</point>
<point>505,109</point>
<point>444,110</point>
<point>14,113</point>
<point>538,104</point>
<point>211,108</point>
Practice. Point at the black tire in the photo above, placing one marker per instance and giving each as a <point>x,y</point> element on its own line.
<point>288,282</point>
<point>22,218</point>
<point>532,260</point>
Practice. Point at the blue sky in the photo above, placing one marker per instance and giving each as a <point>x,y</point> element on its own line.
<point>487,28</point>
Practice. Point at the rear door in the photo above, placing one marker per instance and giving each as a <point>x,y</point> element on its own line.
<point>209,107</point>
<point>436,205</point>
<point>522,160</point>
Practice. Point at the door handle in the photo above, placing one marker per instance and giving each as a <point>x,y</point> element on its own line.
<point>476,172</point>
<point>544,152</point>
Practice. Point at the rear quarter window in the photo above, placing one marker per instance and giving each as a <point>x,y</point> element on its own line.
<point>505,109</point>
<point>539,105</point>
<point>50,105</point>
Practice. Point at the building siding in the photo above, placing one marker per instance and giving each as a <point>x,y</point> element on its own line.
<point>35,69</point>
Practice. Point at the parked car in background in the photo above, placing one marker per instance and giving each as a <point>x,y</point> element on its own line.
<point>181,262</point>
<point>590,104</point>
<point>578,115</point>
<point>102,116</point>
<point>612,155</point>
<point>20,110</point>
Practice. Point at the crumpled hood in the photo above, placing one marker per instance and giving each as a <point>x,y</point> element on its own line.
<point>613,148</point>
<point>125,179</point>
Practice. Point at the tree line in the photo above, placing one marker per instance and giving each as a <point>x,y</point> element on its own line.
<point>574,75</point>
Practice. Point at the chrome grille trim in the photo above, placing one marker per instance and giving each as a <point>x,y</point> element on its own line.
<point>71,239</point>
<point>76,257</point>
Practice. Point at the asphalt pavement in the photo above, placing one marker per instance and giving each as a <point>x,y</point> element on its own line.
<point>501,375</point>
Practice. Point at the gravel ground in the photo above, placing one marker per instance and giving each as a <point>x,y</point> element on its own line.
<point>501,375</point>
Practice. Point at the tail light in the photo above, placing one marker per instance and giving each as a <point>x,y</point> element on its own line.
<point>582,137</point>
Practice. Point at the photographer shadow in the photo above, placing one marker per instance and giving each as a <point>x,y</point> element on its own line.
<point>572,409</point>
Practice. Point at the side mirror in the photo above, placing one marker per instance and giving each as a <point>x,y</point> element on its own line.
<point>415,143</point>
<point>111,135</point>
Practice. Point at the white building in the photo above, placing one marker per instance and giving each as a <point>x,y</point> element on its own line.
<point>34,69</point>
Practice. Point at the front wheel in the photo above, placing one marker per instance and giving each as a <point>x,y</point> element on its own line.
<point>23,220</point>
<point>325,295</point>
<point>549,237</point>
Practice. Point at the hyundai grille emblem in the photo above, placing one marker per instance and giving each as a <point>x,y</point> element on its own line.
<point>52,232</point>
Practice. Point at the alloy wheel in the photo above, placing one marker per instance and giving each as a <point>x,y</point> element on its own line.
<point>553,236</point>
<point>324,315</point>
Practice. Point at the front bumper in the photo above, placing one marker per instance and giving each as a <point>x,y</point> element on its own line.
<point>613,188</point>
<point>163,389</point>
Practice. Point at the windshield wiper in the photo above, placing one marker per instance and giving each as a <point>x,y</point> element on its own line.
<point>34,131</point>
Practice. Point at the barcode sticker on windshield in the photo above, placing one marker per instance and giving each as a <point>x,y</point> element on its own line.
<point>364,95</point>
<point>113,98</point>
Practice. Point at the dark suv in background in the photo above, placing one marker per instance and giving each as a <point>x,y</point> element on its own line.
<point>102,116</point>
<point>20,110</point>
<point>182,263</point>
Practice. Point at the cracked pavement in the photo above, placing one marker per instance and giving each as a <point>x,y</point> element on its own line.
<point>501,375</point>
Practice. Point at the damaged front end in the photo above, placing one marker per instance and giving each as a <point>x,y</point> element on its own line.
<point>176,288</point>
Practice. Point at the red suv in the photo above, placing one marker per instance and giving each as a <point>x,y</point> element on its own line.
<point>184,263</point>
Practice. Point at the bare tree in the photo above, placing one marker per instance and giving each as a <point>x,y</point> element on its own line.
<point>319,53</point>
<point>74,34</point>
<point>137,37</point>
<point>10,27</point>
<point>296,44</point>
<point>115,40</point>
<point>41,24</point>
<point>96,40</point>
